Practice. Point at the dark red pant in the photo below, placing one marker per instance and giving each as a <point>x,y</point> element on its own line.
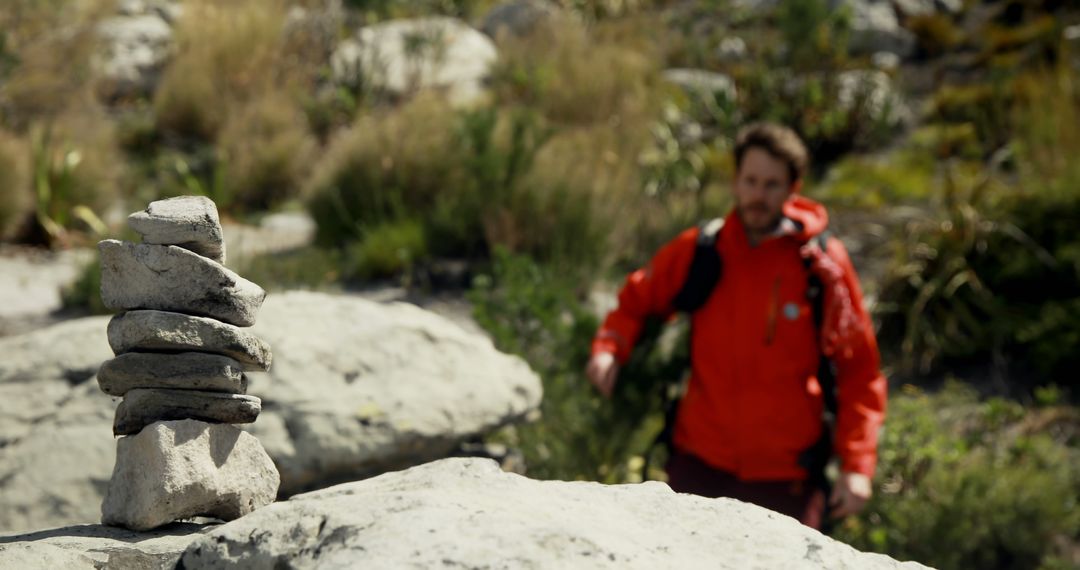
<point>796,499</point>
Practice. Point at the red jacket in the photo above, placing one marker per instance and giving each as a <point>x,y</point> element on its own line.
<point>754,403</point>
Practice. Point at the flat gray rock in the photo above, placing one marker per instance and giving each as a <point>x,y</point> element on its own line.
<point>142,407</point>
<point>184,371</point>
<point>170,278</point>
<point>161,331</point>
<point>97,547</point>
<point>183,469</point>
<point>466,513</point>
<point>190,222</point>
<point>393,386</point>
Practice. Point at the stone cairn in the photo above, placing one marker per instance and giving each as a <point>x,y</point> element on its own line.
<point>180,360</point>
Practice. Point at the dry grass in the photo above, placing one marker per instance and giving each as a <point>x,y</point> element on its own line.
<point>266,150</point>
<point>16,199</point>
<point>575,77</point>
<point>227,53</point>
<point>53,40</point>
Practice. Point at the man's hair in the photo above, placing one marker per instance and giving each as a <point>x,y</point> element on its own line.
<point>779,141</point>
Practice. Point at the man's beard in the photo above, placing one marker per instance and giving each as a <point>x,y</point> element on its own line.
<point>758,219</point>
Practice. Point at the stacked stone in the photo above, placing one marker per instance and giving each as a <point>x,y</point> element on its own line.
<point>181,358</point>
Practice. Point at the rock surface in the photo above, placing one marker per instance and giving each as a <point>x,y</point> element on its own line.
<point>407,386</point>
<point>875,28</point>
<point>142,407</point>
<point>400,57</point>
<point>182,469</point>
<point>519,18</point>
<point>467,513</point>
<point>97,547</point>
<point>393,387</point>
<point>135,49</point>
<point>184,371</point>
<point>702,82</point>
<point>190,222</point>
<point>170,278</point>
<point>161,331</point>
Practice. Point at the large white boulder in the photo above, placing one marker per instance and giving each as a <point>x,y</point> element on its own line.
<point>357,388</point>
<point>467,513</point>
<point>134,50</point>
<point>401,57</point>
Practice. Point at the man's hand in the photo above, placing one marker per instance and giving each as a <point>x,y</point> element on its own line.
<point>602,372</point>
<point>850,494</point>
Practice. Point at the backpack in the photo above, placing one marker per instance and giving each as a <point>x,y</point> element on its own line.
<point>705,272</point>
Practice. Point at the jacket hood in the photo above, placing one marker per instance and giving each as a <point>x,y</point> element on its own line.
<point>810,216</point>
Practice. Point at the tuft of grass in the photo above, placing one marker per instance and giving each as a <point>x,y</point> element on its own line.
<point>547,71</point>
<point>78,173</point>
<point>387,250</point>
<point>226,53</point>
<point>16,197</point>
<point>390,163</point>
<point>266,150</point>
<point>47,47</point>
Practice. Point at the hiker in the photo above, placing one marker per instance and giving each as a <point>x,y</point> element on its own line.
<point>764,359</point>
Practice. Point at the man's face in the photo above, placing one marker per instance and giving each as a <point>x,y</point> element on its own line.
<point>761,187</point>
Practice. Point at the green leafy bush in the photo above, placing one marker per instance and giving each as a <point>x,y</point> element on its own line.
<point>994,272</point>
<point>974,484</point>
<point>386,250</point>
<point>536,312</point>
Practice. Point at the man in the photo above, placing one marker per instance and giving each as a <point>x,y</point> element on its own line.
<point>753,405</point>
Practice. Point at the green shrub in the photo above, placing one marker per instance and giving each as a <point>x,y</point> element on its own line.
<point>16,197</point>
<point>387,250</point>
<point>815,34</point>
<point>535,311</point>
<point>994,272</point>
<point>84,294</point>
<point>305,268</point>
<point>970,484</point>
<point>390,164</point>
<point>874,182</point>
<point>265,149</point>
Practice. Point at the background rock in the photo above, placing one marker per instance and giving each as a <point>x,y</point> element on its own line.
<point>392,387</point>
<point>519,18</point>
<point>400,57</point>
<point>187,468</point>
<point>875,28</point>
<point>135,49</point>
<point>467,513</point>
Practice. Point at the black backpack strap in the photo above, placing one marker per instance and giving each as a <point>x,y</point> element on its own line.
<point>705,269</point>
